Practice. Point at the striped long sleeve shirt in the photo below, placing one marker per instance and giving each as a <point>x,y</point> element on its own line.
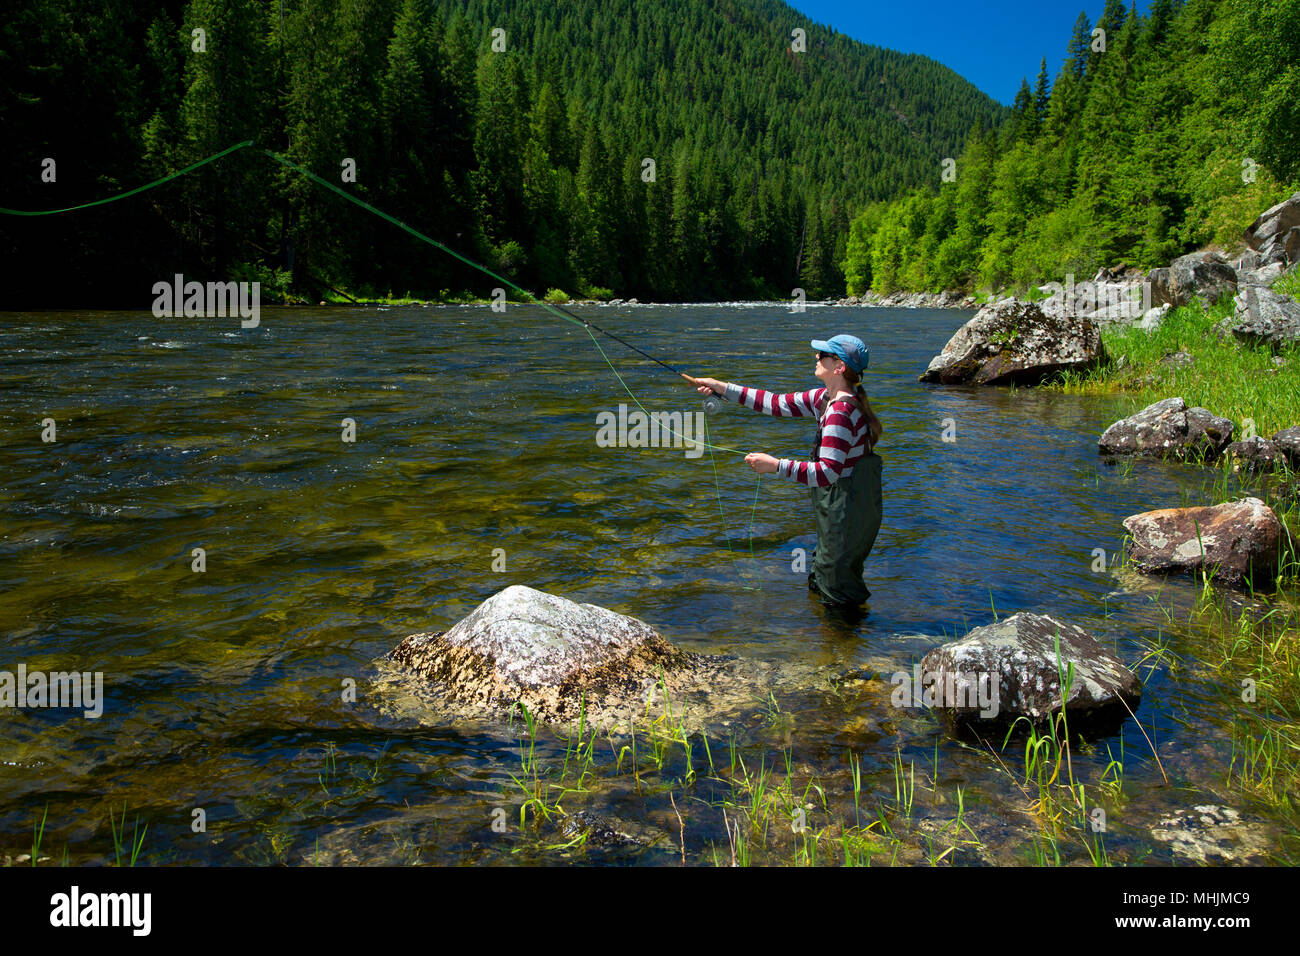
<point>844,433</point>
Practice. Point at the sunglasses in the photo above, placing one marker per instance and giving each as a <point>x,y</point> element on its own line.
<point>823,356</point>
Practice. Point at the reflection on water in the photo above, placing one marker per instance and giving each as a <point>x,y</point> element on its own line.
<point>475,441</point>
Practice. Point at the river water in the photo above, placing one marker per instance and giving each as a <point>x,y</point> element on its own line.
<point>476,465</point>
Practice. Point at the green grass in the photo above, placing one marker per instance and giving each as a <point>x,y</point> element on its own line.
<point>1289,283</point>
<point>1230,378</point>
<point>120,843</point>
<point>38,834</point>
<point>1258,658</point>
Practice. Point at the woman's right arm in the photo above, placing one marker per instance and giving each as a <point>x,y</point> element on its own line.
<point>788,405</point>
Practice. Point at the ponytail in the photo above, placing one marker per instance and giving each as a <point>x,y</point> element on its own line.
<point>874,427</point>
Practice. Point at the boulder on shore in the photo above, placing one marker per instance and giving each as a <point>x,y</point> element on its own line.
<point>1019,656</point>
<point>1168,429</point>
<point>1015,342</point>
<point>1275,234</point>
<point>1203,275</point>
<point>1287,442</point>
<point>1237,541</point>
<point>1264,317</point>
<point>1253,455</point>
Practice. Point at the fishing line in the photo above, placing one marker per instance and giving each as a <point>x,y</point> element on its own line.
<point>547,306</point>
<point>131,192</point>
<point>557,311</point>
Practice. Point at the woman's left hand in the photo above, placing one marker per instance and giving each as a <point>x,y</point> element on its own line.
<point>763,464</point>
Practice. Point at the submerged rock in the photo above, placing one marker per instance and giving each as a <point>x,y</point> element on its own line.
<point>1168,429</point>
<point>559,658</point>
<point>1015,342</point>
<point>1017,659</point>
<point>603,830</point>
<point>1208,831</point>
<point>1236,541</point>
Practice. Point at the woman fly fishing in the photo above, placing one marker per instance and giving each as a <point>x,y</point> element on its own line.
<point>843,475</point>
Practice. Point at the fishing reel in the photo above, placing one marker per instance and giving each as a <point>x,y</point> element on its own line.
<point>712,403</point>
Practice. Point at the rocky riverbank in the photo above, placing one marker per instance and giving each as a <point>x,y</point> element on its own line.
<point>1262,314</point>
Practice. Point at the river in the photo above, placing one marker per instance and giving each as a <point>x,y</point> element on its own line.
<point>475,465</point>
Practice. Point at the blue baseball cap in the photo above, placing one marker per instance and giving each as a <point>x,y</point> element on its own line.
<point>850,348</point>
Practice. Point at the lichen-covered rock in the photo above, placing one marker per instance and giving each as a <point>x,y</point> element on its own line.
<point>1247,262</point>
<point>1253,455</point>
<point>542,650</point>
<point>1015,342</point>
<point>1263,276</point>
<point>1160,282</point>
<point>1275,234</point>
<point>1178,359</point>
<point>1237,541</point>
<point>1204,275</point>
<point>1021,651</point>
<point>1168,429</point>
<point>559,659</point>
<point>1288,443</point>
<point>1264,317</point>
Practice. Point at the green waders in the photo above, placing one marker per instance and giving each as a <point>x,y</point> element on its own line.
<point>848,518</point>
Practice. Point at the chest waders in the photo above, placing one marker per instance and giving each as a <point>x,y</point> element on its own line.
<point>848,517</point>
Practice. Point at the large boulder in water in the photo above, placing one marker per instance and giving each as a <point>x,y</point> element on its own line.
<point>1237,541</point>
<point>1019,655</point>
<point>1168,429</point>
<point>559,658</point>
<point>1015,342</point>
<point>523,645</point>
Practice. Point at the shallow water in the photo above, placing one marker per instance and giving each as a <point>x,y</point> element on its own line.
<point>476,442</point>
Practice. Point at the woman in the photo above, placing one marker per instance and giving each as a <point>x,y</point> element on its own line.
<point>844,473</point>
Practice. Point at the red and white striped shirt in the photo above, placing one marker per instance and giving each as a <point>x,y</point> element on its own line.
<point>845,436</point>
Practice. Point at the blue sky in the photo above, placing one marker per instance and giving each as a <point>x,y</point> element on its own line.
<point>991,44</point>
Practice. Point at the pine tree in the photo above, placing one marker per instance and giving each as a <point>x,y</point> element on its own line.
<point>1110,23</point>
<point>1024,116</point>
<point>218,109</point>
<point>1080,49</point>
<point>499,140</point>
<point>1042,96</point>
